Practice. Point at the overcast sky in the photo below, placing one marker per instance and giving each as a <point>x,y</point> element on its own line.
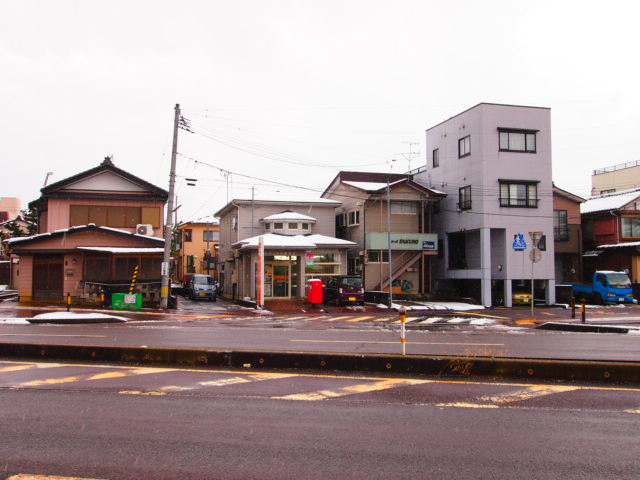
<point>294,91</point>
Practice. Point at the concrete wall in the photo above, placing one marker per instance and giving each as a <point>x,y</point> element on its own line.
<point>622,179</point>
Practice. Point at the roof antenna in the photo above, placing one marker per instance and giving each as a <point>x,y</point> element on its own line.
<point>46,179</point>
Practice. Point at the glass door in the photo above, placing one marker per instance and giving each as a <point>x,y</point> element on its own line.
<point>281,280</point>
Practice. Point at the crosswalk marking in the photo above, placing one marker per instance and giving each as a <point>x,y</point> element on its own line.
<point>198,379</point>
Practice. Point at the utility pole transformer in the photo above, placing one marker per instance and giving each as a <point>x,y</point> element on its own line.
<point>168,226</point>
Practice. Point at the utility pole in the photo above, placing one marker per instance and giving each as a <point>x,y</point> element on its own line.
<point>389,243</point>
<point>168,226</point>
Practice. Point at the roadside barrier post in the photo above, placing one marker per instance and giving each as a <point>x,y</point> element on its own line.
<point>584,313</point>
<point>133,280</point>
<point>68,301</point>
<point>573,307</point>
<point>403,319</point>
<point>101,298</point>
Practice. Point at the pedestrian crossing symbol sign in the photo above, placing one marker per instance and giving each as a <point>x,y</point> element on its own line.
<point>519,242</point>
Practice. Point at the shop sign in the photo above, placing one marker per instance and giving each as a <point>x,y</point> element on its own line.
<point>402,241</point>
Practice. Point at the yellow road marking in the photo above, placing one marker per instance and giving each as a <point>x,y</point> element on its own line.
<point>397,341</point>
<point>335,319</point>
<point>465,405</point>
<point>526,322</point>
<point>101,376</point>
<point>526,394</point>
<point>139,392</point>
<point>352,389</point>
<point>50,381</point>
<point>175,388</point>
<point>636,412</point>
<point>359,319</point>
<point>224,382</point>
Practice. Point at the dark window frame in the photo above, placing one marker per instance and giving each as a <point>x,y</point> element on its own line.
<point>464,198</point>
<point>561,225</point>
<point>517,131</point>
<point>464,146</point>
<point>529,200</point>
<point>435,158</point>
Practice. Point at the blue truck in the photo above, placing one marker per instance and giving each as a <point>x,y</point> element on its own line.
<point>607,287</point>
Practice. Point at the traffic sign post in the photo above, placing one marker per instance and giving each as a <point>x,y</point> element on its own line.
<point>535,255</point>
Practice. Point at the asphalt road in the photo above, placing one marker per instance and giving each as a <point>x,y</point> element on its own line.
<point>284,334</point>
<point>118,422</point>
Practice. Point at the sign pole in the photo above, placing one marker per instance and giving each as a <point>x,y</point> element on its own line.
<point>260,296</point>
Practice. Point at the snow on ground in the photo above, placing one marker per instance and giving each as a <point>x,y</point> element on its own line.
<point>14,321</point>
<point>76,316</point>
<point>419,306</point>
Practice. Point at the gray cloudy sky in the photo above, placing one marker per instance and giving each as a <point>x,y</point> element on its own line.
<point>293,91</point>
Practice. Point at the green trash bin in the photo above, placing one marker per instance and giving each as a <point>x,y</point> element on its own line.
<point>126,301</point>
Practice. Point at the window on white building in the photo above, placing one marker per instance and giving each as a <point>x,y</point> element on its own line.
<point>512,140</point>
<point>464,146</point>
<point>518,193</point>
<point>464,198</point>
<point>435,157</point>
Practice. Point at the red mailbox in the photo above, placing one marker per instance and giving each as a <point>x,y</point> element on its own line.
<point>314,291</point>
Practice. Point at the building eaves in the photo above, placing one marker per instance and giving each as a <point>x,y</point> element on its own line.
<point>568,195</point>
<point>81,228</point>
<point>107,165</point>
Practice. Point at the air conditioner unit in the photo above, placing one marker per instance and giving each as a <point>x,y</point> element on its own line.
<point>144,229</point>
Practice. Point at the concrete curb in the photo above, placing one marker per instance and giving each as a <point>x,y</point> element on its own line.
<point>583,327</point>
<point>448,366</point>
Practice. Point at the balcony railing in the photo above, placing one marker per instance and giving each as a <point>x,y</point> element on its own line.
<point>519,202</point>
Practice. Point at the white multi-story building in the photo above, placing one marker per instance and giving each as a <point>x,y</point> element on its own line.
<point>494,163</point>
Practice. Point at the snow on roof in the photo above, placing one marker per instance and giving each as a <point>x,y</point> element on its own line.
<point>371,186</point>
<point>273,240</point>
<point>78,227</point>
<point>288,215</point>
<point>124,249</point>
<point>437,192</point>
<point>609,201</point>
<point>621,245</point>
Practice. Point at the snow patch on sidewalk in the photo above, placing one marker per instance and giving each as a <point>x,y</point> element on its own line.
<point>77,316</point>
<point>14,321</point>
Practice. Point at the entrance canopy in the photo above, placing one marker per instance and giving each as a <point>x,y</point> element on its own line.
<point>292,242</point>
